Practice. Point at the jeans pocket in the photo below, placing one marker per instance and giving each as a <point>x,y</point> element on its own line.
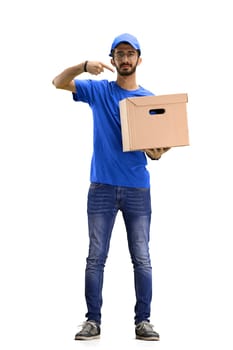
<point>96,185</point>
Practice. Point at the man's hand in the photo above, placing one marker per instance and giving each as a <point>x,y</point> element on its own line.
<point>156,153</point>
<point>95,68</point>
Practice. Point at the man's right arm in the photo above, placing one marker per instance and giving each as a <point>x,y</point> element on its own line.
<point>65,80</point>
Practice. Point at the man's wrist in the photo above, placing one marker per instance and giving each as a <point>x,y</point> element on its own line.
<point>85,66</point>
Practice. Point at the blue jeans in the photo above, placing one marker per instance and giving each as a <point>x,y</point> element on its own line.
<point>104,201</point>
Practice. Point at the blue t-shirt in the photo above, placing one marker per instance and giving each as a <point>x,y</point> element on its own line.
<point>110,165</point>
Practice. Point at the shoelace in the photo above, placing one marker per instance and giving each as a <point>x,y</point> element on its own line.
<point>87,324</point>
<point>146,325</point>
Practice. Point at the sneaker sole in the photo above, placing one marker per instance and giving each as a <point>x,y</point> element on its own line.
<point>147,338</point>
<point>87,338</point>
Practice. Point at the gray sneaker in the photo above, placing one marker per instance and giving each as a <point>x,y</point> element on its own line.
<point>90,330</point>
<point>144,331</point>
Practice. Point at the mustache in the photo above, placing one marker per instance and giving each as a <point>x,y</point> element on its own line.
<point>123,64</point>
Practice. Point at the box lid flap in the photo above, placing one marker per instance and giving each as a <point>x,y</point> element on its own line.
<point>160,99</point>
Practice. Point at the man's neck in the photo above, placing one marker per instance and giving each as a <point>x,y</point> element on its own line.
<point>127,82</point>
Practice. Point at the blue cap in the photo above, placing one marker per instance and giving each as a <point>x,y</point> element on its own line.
<point>126,38</point>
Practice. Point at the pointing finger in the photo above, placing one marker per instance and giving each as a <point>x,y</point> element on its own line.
<point>108,67</point>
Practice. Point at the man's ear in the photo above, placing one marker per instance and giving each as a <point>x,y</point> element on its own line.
<point>113,62</point>
<point>139,60</point>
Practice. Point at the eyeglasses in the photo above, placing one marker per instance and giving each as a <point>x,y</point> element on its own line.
<point>121,54</point>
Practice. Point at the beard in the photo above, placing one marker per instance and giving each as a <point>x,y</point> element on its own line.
<point>123,72</point>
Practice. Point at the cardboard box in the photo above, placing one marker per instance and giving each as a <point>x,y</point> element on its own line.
<point>154,122</point>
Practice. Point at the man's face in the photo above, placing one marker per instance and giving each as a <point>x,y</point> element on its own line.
<point>125,59</point>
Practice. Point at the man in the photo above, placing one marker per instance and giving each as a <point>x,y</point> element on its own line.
<point>119,182</point>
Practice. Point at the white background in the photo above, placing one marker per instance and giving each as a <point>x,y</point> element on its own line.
<point>45,150</point>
